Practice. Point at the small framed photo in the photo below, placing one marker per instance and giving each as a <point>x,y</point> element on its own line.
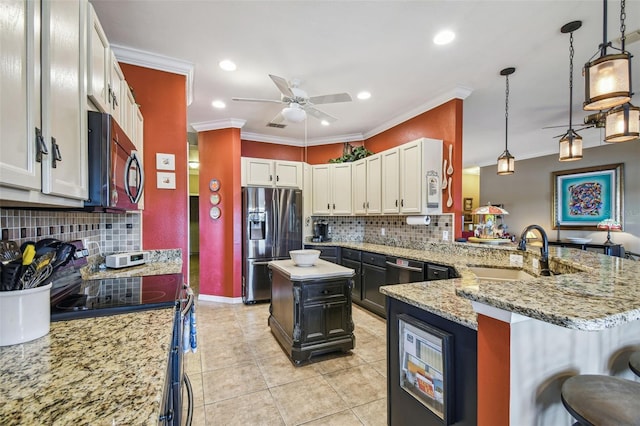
<point>467,204</point>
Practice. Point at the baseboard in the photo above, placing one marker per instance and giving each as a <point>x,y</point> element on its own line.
<point>219,299</point>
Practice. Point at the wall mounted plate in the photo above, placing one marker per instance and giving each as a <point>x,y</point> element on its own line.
<point>214,185</point>
<point>214,212</point>
<point>215,199</point>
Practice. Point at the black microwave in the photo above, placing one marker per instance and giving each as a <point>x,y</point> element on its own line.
<point>116,177</point>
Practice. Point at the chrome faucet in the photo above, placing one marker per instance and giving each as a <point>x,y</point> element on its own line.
<point>544,258</point>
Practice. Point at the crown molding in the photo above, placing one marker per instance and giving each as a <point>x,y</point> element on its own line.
<point>226,123</point>
<point>258,137</point>
<point>141,58</point>
<point>459,92</point>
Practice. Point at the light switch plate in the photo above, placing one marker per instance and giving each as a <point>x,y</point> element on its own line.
<point>445,235</point>
<point>515,260</point>
<point>535,264</point>
<point>382,231</point>
<point>166,180</point>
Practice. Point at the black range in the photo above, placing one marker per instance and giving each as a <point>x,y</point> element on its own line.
<point>110,296</point>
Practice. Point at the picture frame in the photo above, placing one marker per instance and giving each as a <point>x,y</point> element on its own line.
<point>584,197</point>
<point>467,204</point>
<point>468,218</point>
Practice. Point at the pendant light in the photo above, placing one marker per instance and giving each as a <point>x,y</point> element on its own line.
<point>506,161</point>
<point>571,142</point>
<point>622,123</point>
<point>607,79</point>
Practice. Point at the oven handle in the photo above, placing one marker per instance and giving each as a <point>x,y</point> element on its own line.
<point>189,301</point>
<point>187,384</point>
<point>408,268</point>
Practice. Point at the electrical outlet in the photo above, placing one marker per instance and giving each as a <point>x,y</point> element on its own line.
<point>383,231</point>
<point>445,235</point>
<point>535,264</point>
<point>515,260</point>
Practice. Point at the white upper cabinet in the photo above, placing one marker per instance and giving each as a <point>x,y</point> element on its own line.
<point>332,190</point>
<point>98,64</point>
<point>391,181</point>
<point>271,173</point>
<point>20,100</point>
<point>359,184</point>
<point>43,143</point>
<point>117,90</point>
<point>420,177</point>
<point>374,184</point>
<point>64,113</point>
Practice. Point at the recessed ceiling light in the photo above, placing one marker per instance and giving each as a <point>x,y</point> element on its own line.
<point>364,95</point>
<point>227,65</point>
<point>218,104</point>
<point>444,37</point>
<point>324,122</point>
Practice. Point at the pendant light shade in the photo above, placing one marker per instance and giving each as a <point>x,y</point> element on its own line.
<point>607,79</point>
<point>571,142</point>
<point>571,146</point>
<point>622,124</point>
<point>506,161</point>
<point>607,82</point>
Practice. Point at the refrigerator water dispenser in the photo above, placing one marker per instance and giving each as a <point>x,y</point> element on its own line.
<point>257,221</point>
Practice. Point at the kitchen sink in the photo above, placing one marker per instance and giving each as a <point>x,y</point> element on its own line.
<point>500,274</point>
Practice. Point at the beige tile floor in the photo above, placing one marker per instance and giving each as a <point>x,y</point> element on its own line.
<point>241,376</point>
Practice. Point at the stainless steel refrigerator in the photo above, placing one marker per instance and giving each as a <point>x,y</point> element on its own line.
<point>271,226</point>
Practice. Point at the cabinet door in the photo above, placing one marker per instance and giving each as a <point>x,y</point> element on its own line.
<point>411,179</point>
<point>336,319</point>
<point>259,172</point>
<point>139,143</point>
<point>64,113</point>
<point>341,189</point>
<point>313,323</point>
<point>117,83</point>
<point>359,186</point>
<point>98,64</point>
<point>374,184</point>
<point>390,181</point>
<point>288,174</point>
<point>356,293</point>
<point>321,204</point>
<point>129,111</point>
<point>20,99</point>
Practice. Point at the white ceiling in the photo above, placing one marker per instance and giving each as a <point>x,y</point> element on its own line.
<point>384,47</point>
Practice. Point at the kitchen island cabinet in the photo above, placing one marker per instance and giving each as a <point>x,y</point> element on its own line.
<point>104,370</point>
<point>310,310</point>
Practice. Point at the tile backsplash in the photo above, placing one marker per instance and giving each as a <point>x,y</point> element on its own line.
<point>397,233</point>
<point>105,232</point>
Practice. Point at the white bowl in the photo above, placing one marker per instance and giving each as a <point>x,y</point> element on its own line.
<point>24,314</point>
<point>305,257</point>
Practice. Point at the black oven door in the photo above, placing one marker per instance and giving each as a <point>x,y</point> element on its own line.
<point>401,271</point>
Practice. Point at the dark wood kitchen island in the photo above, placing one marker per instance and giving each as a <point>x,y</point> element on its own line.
<point>310,310</point>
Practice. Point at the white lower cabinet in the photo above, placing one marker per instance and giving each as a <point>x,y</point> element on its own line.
<point>332,189</point>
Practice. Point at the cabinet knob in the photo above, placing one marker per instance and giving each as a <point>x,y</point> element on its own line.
<point>277,178</point>
<point>367,204</point>
<point>57,156</point>
<point>402,203</point>
<point>364,205</point>
<point>328,206</point>
<point>41,147</point>
<point>334,206</point>
<point>396,203</point>
<point>270,178</point>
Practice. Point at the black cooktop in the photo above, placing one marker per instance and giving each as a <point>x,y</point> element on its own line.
<point>110,296</point>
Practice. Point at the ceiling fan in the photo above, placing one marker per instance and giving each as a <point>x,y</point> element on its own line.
<point>592,120</point>
<point>298,103</point>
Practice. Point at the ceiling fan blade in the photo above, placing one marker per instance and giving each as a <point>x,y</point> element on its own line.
<point>282,85</point>
<point>555,127</point>
<point>319,114</point>
<point>330,99</point>
<point>256,100</point>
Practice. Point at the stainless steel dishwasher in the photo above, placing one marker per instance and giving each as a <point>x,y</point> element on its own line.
<point>402,271</point>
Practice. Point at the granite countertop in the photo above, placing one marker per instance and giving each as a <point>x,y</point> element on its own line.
<point>322,269</point>
<point>592,292</point>
<point>100,371</point>
<point>160,262</point>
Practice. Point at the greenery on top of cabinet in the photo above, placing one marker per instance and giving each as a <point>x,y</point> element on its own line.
<point>351,153</point>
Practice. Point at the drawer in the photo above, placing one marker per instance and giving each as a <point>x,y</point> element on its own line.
<point>324,250</point>
<point>374,259</point>
<point>351,254</point>
<point>437,272</point>
<point>324,292</point>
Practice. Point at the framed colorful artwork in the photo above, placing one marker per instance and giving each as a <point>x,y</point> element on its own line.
<point>584,197</point>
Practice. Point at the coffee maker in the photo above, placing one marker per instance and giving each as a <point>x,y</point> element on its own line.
<point>320,231</point>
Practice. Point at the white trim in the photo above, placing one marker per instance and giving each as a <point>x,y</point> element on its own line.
<point>497,313</point>
<point>145,59</point>
<point>258,137</point>
<point>219,299</point>
<point>459,92</point>
<point>225,123</point>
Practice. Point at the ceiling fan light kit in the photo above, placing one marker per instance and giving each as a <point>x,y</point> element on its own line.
<point>571,142</point>
<point>622,124</point>
<point>294,113</point>
<point>608,78</point>
<point>506,161</point>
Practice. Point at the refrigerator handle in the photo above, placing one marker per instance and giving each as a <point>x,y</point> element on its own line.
<point>276,221</point>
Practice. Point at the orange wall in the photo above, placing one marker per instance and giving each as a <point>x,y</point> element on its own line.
<point>220,240</point>
<point>272,151</point>
<point>493,371</point>
<point>162,99</point>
